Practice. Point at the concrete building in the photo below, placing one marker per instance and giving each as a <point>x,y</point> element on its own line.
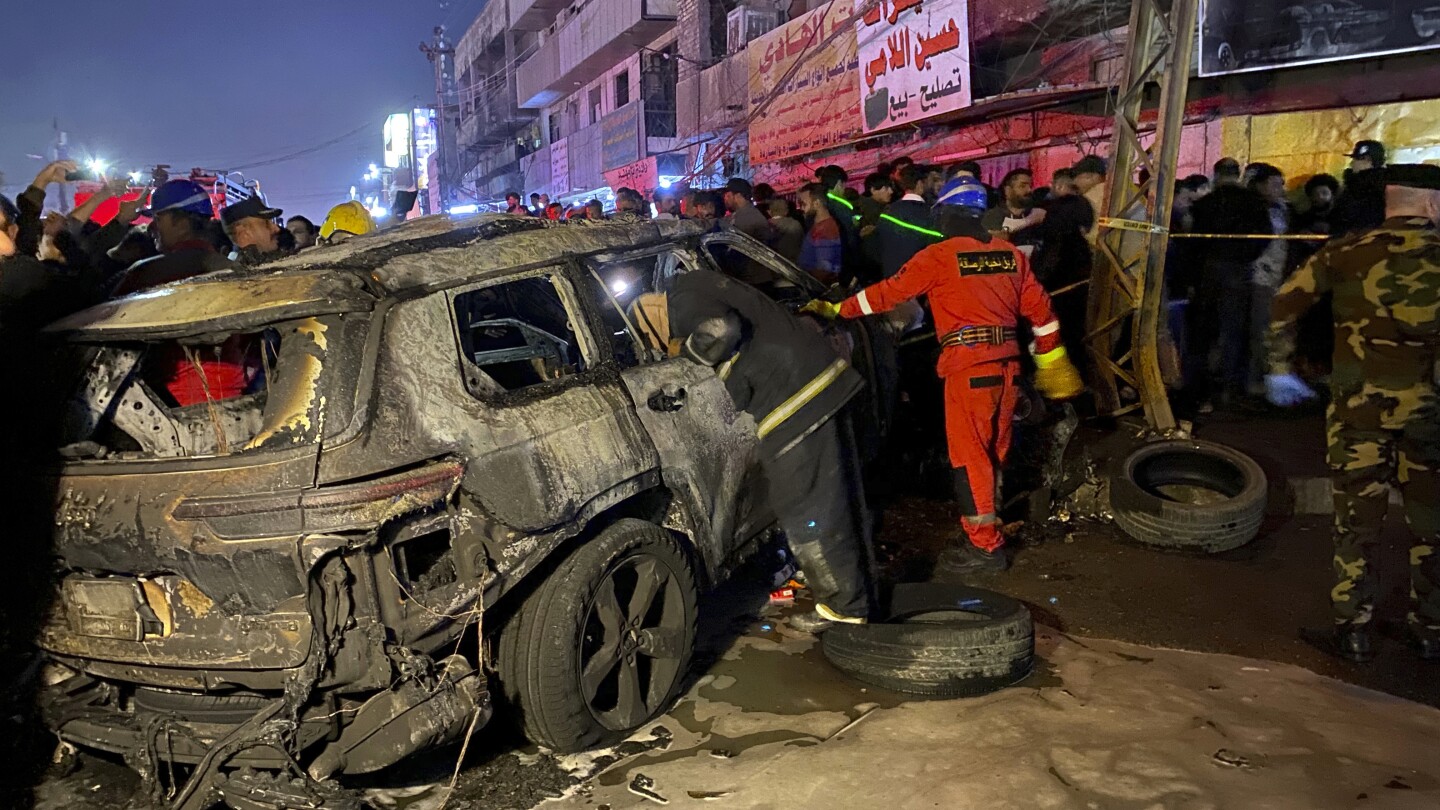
<point>494,132</point>
<point>601,80</point>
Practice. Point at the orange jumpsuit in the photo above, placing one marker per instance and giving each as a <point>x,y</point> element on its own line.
<point>978,292</point>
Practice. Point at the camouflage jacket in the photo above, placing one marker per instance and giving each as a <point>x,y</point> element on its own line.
<point>1386,288</point>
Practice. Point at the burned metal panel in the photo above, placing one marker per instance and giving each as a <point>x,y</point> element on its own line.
<point>705,447</point>
<point>112,523</point>
<point>441,267</point>
<point>532,459</point>
<point>223,303</point>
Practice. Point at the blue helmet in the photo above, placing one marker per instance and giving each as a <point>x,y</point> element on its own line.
<point>965,192</point>
<point>180,195</point>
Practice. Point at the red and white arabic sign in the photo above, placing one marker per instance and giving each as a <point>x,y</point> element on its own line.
<point>914,60</point>
<point>816,107</point>
<point>643,175</point>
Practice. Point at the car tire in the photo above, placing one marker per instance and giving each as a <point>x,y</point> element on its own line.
<point>577,666</point>
<point>941,640</point>
<point>1148,508</point>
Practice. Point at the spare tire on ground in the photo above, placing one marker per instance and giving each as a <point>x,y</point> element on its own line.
<point>1189,495</point>
<point>939,640</point>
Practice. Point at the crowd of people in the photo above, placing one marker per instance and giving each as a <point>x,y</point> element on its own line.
<point>851,235</point>
<point>53,263</point>
<point>1221,274</point>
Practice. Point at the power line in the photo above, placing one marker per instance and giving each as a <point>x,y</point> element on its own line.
<point>302,152</point>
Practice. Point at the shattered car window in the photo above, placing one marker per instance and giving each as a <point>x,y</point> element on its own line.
<point>283,385</point>
<point>623,288</point>
<point>516,335</point>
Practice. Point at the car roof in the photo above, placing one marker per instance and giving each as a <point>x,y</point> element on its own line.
<point>429,253</point>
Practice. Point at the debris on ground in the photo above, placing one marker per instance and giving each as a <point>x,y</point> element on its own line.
<point>782,596</point>
<point>643,786</point>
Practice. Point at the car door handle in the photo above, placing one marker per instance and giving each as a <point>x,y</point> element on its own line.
<point>667,401</point>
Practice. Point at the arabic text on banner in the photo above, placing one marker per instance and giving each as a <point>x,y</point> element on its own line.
<point>560,166</point>
<point>642,175</point>
<point>817,108</point>
<point>620,131</point>
<point>914,60</point>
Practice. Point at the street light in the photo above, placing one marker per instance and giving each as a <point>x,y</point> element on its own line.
<point>96,166</point>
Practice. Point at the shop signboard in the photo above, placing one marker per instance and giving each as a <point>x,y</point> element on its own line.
<point>560,167</point>
<point>1246,35</point>
<point>803,84</point>
<point>642,175</point>
<point>396,150</point>
<point>914,60</point>
<point>620,137</point>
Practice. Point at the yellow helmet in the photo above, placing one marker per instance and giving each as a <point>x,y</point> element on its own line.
<point>350,217</point>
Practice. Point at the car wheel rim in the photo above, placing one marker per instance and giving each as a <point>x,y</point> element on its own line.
<point>633,642</point>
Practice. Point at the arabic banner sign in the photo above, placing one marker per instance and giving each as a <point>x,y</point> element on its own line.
<point>560,166</point>
<point>914,60</point>
<point>620,137</point>
<point>812,61</point>
<point>1243,35</point>
<point>642,175</point>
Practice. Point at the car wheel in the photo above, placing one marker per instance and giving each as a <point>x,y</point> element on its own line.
<point>1189,495</point>
<point>602,645</point>
<point>1225,56</point>
<point>938,640</point>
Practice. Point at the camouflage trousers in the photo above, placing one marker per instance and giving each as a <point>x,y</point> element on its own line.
<point>1366,465</point>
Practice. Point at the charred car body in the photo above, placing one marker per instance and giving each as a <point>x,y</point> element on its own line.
<point>291,497</point>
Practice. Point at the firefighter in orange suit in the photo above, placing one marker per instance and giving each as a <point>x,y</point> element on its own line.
<point>979,288</point>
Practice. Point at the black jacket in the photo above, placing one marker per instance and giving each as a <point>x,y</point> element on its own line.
<point>181,264</point>
<point>897,244</point>
<point>1232,209</point>
<point>1361,205</point>
<point>853,263</point>
<point>775,354</point>
<point>1064,255</point>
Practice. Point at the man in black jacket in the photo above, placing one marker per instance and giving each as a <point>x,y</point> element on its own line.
<point>852,258</point>
<point>784,373</point>
<point>1362,205</point>
<point>906,227</point>
<point>1221,309</point>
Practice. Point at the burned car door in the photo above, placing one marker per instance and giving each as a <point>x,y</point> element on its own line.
<point>552,433</point>
<point>870,344</point>
<point>706,445</point>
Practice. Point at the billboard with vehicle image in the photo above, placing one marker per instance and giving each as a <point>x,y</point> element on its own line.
<point>1246,35</point>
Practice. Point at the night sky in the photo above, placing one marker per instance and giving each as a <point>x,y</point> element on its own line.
<point>216,84</point>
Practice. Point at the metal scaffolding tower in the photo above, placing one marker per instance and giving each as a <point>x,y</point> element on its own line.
<point>1127,285</point>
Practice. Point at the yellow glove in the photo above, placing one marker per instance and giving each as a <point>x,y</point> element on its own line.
<point>1056,377</point>
<point>824,309</point>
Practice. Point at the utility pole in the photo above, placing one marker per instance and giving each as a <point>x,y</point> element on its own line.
<point>442,55</point>
<point>1128,282</point>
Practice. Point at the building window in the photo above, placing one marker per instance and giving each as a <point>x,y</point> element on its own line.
<point>622,89</point>
<point>658,77</point>
<point>595,105</point>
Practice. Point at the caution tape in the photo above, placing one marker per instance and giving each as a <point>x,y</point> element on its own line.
<point>1131,225</point>
<point>1145,227</point>
<point>1289,237</point>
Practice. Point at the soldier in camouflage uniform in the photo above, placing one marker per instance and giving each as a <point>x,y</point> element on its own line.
<point>1384,421</point>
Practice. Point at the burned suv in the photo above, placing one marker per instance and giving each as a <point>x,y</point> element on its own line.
<point>308,511</point>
